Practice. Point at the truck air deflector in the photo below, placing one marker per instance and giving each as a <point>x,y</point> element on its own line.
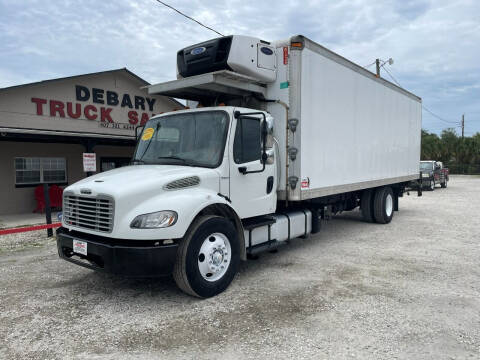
<point>224,84</point>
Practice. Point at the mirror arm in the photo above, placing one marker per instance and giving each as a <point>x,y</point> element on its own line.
<point>136,130</point>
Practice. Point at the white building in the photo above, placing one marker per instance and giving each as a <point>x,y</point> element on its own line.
<point>45,127</point>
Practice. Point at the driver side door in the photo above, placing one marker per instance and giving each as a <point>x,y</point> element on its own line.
<point>252,194</point>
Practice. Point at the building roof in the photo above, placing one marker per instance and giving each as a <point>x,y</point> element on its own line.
<point>124,70</point>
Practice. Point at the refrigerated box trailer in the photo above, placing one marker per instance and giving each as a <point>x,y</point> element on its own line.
<point>281,135</point>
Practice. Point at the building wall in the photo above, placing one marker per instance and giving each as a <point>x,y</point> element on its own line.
<point>14,199</point>
<point>93,107</point>
<point>118,106</point>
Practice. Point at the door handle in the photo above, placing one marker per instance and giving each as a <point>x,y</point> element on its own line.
<point>269,184</point>
<point>242,170</point>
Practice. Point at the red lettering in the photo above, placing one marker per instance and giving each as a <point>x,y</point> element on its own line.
<point>132,117</point>
<point>77,113</point>
<point>144,119</point>
<point>88,112</point>
<point>57,107</point>
<point>40,103</point>
<point>105,114</point>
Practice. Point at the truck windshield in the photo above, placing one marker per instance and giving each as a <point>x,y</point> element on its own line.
<point>192,139</point>
<point>426,166</point>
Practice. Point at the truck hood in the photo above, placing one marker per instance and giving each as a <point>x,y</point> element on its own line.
<point>142,180</point>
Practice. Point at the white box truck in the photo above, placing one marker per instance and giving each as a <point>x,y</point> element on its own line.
<point>282,135</point>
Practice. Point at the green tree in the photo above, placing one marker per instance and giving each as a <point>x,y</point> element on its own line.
<point>461,155</point>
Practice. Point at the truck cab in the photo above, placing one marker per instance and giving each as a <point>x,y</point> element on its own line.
<point>206,168</point>
<point>433,173</point>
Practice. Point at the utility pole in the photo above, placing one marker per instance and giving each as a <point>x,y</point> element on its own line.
<point>378,67</point>
<point>463,125</point>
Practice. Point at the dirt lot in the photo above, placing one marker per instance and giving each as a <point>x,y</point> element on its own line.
<point>409,290</point>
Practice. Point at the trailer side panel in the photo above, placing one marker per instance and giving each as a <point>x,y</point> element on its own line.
<point>354,131</point>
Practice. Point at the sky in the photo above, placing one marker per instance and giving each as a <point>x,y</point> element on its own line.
<point>435,44</point>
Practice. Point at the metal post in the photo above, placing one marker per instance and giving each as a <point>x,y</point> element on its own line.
<point>463,125</point>
<point>377,62</point>
<point>420,184</point>
<point>48,210</point>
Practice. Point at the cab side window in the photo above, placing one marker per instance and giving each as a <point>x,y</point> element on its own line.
<point>247,144</point>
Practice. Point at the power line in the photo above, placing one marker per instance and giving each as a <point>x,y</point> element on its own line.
<point>389,73</point>
<point>438,117</point>
<point>189,17</point>
<point>367,66</point>
<point>423,106</point>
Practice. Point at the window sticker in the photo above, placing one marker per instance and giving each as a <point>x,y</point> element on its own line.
<point>147,134</point>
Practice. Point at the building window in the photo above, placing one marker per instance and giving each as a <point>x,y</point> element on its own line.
<point>34,171</point>
<point>109,163</point>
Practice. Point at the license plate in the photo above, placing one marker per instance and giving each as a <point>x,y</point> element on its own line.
<point>80,247</point>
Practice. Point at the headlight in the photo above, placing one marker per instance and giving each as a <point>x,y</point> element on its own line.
<point>159,219</point>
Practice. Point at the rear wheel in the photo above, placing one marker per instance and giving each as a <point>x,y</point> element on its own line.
<point>444,184</point>
<point>366,205</point>
<point>383,205</point>
<point>208,257</point>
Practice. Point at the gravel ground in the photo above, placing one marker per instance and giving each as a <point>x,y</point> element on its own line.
<point>407,290</point>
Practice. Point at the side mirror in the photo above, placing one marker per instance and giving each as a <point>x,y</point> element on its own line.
<point>269,139</point>
<point>270,157</point>
<point>137,132</point>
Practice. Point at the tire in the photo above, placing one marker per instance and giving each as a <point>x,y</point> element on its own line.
<point>444,184</point>
<point>210,243</point>
<point>431,187</point>
<point>383,205</point>
<point>366,205</point>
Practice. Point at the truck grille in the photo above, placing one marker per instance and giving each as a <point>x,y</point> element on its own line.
<point>93,213</point>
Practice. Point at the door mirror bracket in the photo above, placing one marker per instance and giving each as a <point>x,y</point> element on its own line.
<point>243,169</point>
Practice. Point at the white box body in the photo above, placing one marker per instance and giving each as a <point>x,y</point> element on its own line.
<point>355,131</point>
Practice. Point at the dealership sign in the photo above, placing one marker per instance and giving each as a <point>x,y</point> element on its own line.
<point>104,101</point>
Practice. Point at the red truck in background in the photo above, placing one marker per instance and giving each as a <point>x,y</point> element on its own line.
<point>433,173</point>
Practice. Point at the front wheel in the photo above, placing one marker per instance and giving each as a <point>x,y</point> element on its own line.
<point>208,257</point>
<point>444,184</point>
<point>432,185</point>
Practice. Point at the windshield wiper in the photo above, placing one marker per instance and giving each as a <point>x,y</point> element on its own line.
<point>183,161</point>
<point>173,158</point>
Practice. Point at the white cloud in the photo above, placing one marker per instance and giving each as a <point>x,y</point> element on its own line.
<point>434,42</point>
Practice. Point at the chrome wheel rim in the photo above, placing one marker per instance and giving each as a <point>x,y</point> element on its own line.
<point>432,184</point>
<point>214,257</point>
<point>389,205</point>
